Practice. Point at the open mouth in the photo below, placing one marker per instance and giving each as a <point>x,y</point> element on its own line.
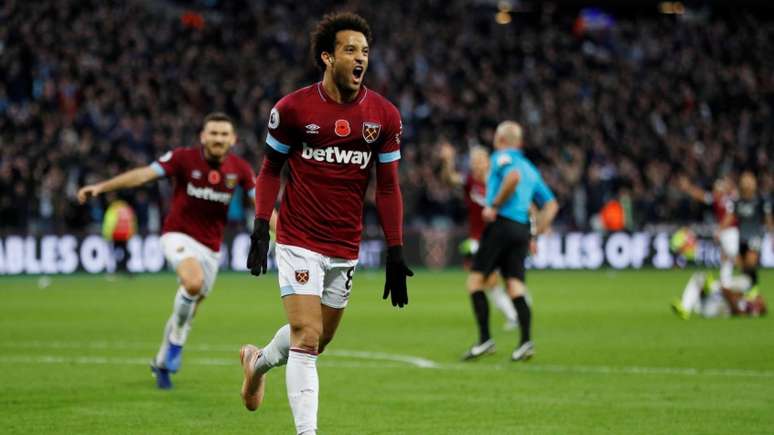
<point>357,73</point>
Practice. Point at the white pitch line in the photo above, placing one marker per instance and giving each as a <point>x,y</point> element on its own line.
<point>96,360</point>
<point>341,353</point>
<point>375,359</point>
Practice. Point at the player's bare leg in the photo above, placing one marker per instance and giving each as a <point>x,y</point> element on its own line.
<point>517,291</point>
<point>480,304</point>
<point>331,317</point>
<point>305,317</point>
<point>191,277</point>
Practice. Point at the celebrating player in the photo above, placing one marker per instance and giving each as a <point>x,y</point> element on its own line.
<point>205,178</point>
<point>474,186</point>
<point>512,186</point>
<point>330,134</point>
<point>721,199</point>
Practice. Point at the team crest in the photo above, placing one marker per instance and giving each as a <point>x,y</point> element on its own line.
<point>302,276</point>
<point>213,177</point>
<point>371,131</point>
<point>231,180</point>
<point>342,128</point>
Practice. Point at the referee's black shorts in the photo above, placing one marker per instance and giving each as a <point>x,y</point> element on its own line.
<point>504,246</point>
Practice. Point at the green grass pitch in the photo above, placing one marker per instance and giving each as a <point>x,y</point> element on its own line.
<point>611,359</point>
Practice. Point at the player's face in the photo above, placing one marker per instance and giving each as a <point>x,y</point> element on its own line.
<point>747,185</point>
<point>217,137</point>
<point>349,61</point>
<point>479,164</point>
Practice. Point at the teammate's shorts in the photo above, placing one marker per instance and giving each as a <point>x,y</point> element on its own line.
<point>178,246</point>
<point>750,244</point>
<point>504,246</point>
<point>729,242</point>
<point>305,272</point>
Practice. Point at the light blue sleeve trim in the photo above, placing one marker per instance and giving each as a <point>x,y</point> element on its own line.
<point>277,145</point>
<point>389,157</point>
<point>251,193</point>
<point>287,290</point>
<point>158,169</point>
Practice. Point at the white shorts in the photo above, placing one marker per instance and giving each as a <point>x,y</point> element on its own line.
<point>178,246</point>
<point>305,272</point>
<point>729,242</point>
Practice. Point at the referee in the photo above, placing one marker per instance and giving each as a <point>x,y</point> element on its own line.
<point>512,186</point>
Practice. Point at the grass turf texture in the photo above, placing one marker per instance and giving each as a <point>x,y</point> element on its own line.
<point>611,359</point>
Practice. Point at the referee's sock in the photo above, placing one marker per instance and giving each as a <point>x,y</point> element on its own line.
<point>481,310</point>
<point>525,317</point>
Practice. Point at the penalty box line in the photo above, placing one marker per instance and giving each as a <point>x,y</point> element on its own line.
<point>364,359</point>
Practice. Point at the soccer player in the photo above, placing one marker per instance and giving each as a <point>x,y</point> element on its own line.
<point>512,186</point>
<point>721,200</point>
<point>474,186</point>
<point>704,296</point>
<point>752,213</point>
<point>204,178</point>
<point>331,134</point>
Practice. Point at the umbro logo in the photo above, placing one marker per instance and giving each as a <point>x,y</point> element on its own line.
<point>312,129</point>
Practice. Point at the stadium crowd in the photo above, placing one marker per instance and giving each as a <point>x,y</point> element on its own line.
<point>91,88</point>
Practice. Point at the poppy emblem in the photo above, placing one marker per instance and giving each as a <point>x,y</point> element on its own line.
<point>342,128</point>
<point>213,177</point>
<point>302,276</point>
<point>371,131</point>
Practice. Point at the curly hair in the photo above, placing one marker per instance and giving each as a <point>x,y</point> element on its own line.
<point>324,35</point>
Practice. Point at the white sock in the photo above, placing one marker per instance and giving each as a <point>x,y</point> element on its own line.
<point>303,389</point>
<point>503,303</point>
<point>726,271</point>
<point>161,356</point>
<point>181,316</point>
<point>276,352</point>
<point>691,299</point>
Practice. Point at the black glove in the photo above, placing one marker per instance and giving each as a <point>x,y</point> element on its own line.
<point>259,247</point>
<point>395,282</point>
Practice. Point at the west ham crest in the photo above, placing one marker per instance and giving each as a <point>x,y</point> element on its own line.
<point>302,276</point>
<point>371,131</point>
<point>231,180</point>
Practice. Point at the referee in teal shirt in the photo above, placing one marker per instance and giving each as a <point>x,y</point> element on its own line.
<point>513,185</point>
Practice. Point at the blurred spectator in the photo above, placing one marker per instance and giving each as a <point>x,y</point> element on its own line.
<point>91,88</point>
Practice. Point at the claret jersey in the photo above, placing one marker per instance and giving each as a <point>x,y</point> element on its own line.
<point>202,192</point>
<point>331,149</point>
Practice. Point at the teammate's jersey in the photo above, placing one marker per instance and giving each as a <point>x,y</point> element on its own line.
<point>331,149</point>
<point>750,215</point>
<point>202,192</point>
<point>531,187</point>
<point>475,199</point>
<point>722,204</point>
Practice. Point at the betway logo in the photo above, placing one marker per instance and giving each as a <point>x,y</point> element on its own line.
<point>208,194</point>
<point>336,155</point>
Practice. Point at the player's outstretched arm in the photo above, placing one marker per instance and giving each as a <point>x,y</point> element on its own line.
<point>267,186</point>
<point>128,179</point>
<point>389,205</point>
